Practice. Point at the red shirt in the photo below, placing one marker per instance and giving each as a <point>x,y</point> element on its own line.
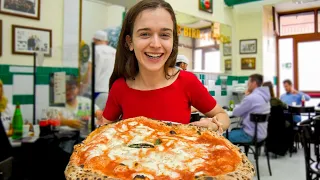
<point>170,103</point>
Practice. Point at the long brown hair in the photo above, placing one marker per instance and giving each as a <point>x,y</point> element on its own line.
<point>126,64</point>
<point>270,86</point>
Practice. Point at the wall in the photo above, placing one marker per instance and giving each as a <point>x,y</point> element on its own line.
<point>51,17</point>
<point>247,26</point>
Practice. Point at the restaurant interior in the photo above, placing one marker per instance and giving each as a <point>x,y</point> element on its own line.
<point>47,54</point>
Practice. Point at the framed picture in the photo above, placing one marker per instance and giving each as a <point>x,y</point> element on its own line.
<point>227,50</point>
<point>27,40</point>
<point>248,63</point>
<point>206,5</point>
<point>0,37</point>
<point>248,46</point>
<point>227,65</point>
<point>22,8</point>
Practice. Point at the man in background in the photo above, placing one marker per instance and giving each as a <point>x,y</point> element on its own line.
<point>257,100</point>
<point>182,62</point>
<point>104,63</point>
<point>292,96</point>
<point>73,101</point>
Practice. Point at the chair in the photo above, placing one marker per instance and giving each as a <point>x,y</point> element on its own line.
<point>311,135</point>
<point>297,110</point>
<point>6,158</point>
<point>278,140</point>
<point>256,119</point>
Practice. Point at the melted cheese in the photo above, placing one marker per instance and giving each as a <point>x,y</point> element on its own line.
<point>109,133</point>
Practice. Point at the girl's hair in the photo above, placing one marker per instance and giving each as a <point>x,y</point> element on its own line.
<point>270,86</point>
<point>126,64</point>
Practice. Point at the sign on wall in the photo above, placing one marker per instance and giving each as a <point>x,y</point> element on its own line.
<point>206,5</point>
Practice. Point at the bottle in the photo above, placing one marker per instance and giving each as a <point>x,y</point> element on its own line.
<point>303,100</point>
<point>88,117</point>
<point>17,123</point>
<point>231,105</point>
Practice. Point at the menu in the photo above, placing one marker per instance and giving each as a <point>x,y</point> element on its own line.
<point>59,88</point>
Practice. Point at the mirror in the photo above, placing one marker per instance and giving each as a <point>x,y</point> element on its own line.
<point>206,44</point>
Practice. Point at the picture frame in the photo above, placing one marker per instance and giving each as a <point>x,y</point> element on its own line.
<point>227,64</point>
<point>227,49</point>
<point>206,6</point>
<point>23,8</point>
<point>248,63</point>
<point>248,46</point>
<point>0,37</point>
<point>28,40</point>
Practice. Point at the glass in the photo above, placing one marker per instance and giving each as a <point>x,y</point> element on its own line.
<point>198,60</point>
<point>300,23</point>
<point>308,64</point>
<point>212,61</point>
<point>285,62</point>
<point>318,21</point>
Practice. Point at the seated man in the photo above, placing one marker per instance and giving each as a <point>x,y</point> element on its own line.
<point>68,114</point>
<point>293,97</point>
<point>257,100</point>
<point>182,62</point>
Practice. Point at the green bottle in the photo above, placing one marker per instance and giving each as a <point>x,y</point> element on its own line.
<point>231,105</point>
<point>17,123</point>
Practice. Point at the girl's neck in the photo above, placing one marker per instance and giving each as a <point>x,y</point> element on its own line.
<point>146,80</point>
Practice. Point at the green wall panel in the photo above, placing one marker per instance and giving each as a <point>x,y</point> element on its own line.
<point>22,99</point>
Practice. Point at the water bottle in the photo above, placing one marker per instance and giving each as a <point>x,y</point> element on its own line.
<point>82,117</point>
<point>303,101</point>
<point>231,105</point>
<point>17,123</point>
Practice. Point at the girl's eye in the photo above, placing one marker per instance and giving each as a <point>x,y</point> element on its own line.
<point>144,34</point>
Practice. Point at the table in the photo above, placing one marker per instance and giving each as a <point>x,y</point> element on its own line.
<point>17,143</point>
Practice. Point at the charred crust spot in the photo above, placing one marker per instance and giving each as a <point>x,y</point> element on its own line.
<point>172,132</point>
<point>168,123</point>
<point>82,166</point>
<point>199,132</point>
<point>136,164</point>
<point>139,177</point>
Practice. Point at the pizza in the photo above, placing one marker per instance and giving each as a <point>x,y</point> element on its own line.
<point>142,148</point>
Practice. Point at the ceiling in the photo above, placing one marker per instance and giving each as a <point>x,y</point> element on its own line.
<point>191,21</point>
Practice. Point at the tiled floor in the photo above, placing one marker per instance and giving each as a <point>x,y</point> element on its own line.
<point>283,168</point>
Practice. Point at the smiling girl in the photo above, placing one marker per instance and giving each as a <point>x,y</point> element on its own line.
<point>145,81</point>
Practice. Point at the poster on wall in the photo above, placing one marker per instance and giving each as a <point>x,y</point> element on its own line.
<point>27,40</point>
<point>22,8</point>
<point>206,5</point>
<point>248,63</point>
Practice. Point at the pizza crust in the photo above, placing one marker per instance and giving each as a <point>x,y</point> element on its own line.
<point>245,170</point>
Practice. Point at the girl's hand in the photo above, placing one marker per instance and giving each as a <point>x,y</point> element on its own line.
<point>206,122</point>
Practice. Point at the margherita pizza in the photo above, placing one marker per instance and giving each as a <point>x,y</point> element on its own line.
<point>141,148</point>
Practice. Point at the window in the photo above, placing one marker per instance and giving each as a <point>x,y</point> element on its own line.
<point>300,23</point>
<point>318,21</point>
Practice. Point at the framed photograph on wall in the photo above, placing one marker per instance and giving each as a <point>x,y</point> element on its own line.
<point>0,37</point>
<point>227,65</point>
<point>206,5</point>
<point>227,50</point>
<point>248,46</point>
<point>22,8</point>
<point>248,63</point>
<point>27,40</point>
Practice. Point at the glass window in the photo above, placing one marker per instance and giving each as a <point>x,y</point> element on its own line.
<point>198,60</point>
<point>301,23</point>
<point>318,21</point>
<point>307,72</point>
<point>212,61</point>
<point>285,62</point>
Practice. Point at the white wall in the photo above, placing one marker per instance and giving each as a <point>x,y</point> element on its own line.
<point>51,17</point>
<point>94,17</point>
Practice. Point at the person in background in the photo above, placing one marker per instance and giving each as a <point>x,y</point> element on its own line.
<point>182,62</point>
<point>73,100</point>
<point>274,100</point>
<point>6,109</point>
<point>292,96</point>
<point>145,81</point>
<point>104,63</point>
<point>257,101</point>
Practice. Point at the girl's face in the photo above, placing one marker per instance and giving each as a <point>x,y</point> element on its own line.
<point>152,39</point>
